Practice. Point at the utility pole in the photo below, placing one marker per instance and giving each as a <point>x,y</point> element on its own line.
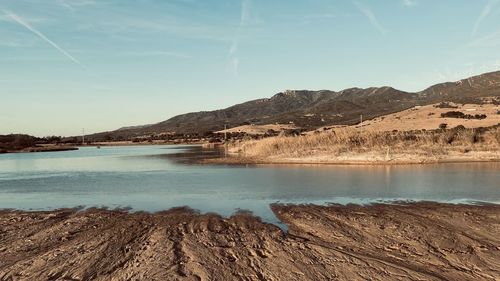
<point>83,136</point>
<point>225,132</point>
<point>225,140</point>
<point>361,121</point>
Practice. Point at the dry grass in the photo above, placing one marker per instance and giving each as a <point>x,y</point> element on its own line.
<point>348,141</point>
<point>429,117</point>
<point>258,129</point>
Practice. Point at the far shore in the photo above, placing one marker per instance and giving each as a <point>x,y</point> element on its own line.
<point>41,148</point>
<point>232,158</point>
<point>399,241</point>
<point>401,159</point>
<point>76,146</point>
<point>132,143</point>
<point>339,146</point>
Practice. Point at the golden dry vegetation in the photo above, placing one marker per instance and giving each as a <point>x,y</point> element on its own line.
<point>258,129</point>
<point>358,146</point>
<point>429,117</point>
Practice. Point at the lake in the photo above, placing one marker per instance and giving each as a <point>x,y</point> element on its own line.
<point>154,178</point>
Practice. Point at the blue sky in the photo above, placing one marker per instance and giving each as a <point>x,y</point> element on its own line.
<point>103,64</point>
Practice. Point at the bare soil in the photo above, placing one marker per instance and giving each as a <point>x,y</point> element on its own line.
<point>387,157</point>
<point>419,241</point>
<point>429,118</point>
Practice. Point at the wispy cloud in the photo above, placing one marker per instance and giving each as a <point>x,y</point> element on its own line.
<point>491,40</point>
<point>409,3</point>
<point>484,14</point>
<point>16,43</point>
<point>233,50</point>
<point>19,20</point>
<point>156,54</point>
<point>235,64</point>
<point>317,17</point>
<point>74,4</point>
<point>466,70</point>
<point>31,20</point>
<point>371,17</point>
<point>126,28</point>
<point>31,59</point>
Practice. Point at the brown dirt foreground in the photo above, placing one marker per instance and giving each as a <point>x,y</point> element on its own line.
<point>420,241</point>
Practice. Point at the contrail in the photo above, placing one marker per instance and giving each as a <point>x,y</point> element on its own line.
<point>484,14</point>
<point>233,50</point>
<point>20,21</point>
<point>371,17</point>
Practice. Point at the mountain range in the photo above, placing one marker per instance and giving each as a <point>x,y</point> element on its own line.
<point>313,109</point>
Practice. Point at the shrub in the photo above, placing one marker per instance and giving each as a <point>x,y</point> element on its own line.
<point>458,114</point>
<point>452,114</point>
<point>445,105</point>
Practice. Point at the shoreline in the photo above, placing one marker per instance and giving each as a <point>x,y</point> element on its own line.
<point>362,159</point>
<point>404,241</point>
<point>131,143</point>
<point>238,160</point>
<point>339,163</point>
<point>50,148</point>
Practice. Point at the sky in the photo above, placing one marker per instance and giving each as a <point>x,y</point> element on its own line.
<point>100,65</point>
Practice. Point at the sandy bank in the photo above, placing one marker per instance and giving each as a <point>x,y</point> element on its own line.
<point>369,158</point>
<point>423,241</point>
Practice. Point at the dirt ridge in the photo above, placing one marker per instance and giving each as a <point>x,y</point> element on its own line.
<point>404,241</point>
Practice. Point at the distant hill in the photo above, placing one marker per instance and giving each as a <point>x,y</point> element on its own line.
<point>27,143</point>
<point>15,142</point>
<point>313,109</point>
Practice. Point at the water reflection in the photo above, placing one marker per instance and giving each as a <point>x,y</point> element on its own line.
<point>154,178</point>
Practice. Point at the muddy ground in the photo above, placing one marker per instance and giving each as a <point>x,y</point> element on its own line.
<point>423,241</point>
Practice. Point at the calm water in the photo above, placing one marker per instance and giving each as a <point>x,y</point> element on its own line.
<point>149,178</point>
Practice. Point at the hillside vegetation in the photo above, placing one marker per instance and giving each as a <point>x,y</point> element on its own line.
<point>27,143</point>
<point>348,145</point>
